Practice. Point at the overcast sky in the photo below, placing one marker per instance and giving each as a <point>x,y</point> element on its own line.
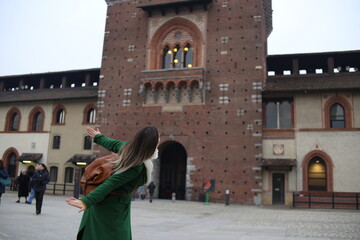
<point>49,35</point>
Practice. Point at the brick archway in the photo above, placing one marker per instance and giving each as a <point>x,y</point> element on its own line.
<point>329,169</point>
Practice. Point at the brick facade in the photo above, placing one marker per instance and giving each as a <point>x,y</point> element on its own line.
<point>222,134</point>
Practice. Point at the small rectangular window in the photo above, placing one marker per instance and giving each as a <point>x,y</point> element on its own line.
<point>56,142</point>
<point>69,175</point>
<point>53,174</point>
<point>87,143</point>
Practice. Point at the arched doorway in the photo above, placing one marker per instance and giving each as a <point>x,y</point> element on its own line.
<point>317,168</point>
<point>317,175</point>
<point>172,170</point>
<point>11,166</point>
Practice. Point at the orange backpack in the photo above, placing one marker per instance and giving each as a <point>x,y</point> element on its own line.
<point>96,173</point>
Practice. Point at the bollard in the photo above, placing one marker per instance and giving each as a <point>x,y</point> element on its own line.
<point>227,197</point>
<point>173,197</point>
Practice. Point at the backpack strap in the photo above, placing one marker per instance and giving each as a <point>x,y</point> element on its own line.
<point>136,186</point>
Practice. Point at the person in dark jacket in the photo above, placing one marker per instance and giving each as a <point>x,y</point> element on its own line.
<point>40,179</point>
<point>23,181</point>
<point>151,188</point>
<point>3,174</point>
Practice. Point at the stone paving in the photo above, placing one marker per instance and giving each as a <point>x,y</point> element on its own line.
<point>183,220</point>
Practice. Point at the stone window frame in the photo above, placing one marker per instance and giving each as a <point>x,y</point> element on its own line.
<point>56,142</point>
<point>329,169</point>
<point>55,112</point>
<point>86,112</point>
<point>347,111</point>
<point>9,119</point>
<point>276,101</point>
<point>32,120</point>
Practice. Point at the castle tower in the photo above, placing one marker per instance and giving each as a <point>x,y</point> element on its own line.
<point>195,70</point>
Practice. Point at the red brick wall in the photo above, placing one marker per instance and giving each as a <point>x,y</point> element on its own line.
<point>215,135</point>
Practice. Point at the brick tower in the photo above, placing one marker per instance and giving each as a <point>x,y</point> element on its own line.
<point>195,70</point>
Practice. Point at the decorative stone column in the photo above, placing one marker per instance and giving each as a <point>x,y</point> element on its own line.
<point>154,94</point>
<point>177,93</point>
<point>166,93</point>
<point>330,63</point>
<point>42,83</point>
<point>295,66</point>
<point>189,90</point>
<point>143,94</point>
<point>21,84</point>
<point>64,82</point>
<point>87,80</point>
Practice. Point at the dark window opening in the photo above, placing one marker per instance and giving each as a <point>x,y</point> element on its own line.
<point>56,142</point>
<point>337,116</point>
<point>37,125</point>
<point>69,175</point>
<point>14,122</point>
<point>53,174</point>
<point>87,143</point>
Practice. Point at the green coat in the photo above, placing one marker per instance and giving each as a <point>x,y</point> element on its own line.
<point>110,218</point>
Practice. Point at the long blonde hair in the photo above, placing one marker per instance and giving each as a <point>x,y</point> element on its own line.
<point>140,148</point>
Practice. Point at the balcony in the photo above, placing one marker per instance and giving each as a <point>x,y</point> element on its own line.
<point>173,86</point>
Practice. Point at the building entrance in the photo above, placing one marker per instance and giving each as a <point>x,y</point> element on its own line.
<point>172,170</point>
<point>278,188</point>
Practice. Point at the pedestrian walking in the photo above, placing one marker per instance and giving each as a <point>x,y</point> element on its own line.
<point>141,193</point>
<point>23,185</point>
<point>107,215</point>
<point>151,188</point>
<point>4,175</point>
<point>40,179</point>
<point>32,192</point>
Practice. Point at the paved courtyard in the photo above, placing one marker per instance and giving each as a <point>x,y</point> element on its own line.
<point>183,220</point>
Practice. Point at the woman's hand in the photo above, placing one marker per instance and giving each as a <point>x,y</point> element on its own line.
<point>92,132</point>
<point>76,203</point>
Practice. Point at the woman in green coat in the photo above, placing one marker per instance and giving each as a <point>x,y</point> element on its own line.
<point>106,215</point>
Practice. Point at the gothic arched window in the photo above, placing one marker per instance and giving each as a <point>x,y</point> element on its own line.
<point>177,57</point>
<point>337,116</point>
<point>36,120</point>
<point>13,120</point>
<point>89,114</point>
<point>59,115</point>
<point>178,43</point>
